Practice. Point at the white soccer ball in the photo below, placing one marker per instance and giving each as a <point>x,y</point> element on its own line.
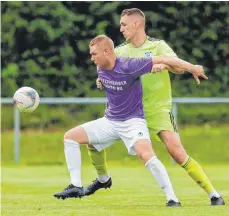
<point>26,99</point>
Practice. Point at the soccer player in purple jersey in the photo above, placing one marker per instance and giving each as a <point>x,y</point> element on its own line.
<point>124,116</point>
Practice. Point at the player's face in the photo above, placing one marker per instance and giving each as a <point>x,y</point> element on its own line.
<point>98,56</point>
<point>127,27</point>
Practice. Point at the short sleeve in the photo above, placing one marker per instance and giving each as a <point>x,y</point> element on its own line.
<point>139,66</point>
<point>164,49</point>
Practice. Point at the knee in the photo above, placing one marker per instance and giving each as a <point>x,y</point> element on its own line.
<point>145,156</point>
<point>77,134</point>
<point>72,134</point>
<point>144,150</point>
<point>67,135</point>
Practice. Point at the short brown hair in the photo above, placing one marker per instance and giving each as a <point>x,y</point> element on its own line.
<point>132,11</point>
<point>102,39</point>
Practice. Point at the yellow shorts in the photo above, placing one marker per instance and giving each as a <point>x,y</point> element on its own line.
<point>160,121</point>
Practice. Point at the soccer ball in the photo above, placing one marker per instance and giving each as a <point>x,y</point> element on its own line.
<point>26,99</point>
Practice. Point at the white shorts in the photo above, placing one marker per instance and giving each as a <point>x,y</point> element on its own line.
<point>103,132</point>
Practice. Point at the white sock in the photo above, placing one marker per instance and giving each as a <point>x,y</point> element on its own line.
<point>73,160</point>
<point>103,178</point>
<point>214,193</point>
<point>160,174</point>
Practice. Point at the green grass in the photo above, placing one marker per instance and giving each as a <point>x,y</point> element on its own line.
<point>206,144</point>
<point>27,191</point>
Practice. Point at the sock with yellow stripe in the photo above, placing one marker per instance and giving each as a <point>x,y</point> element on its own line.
<point>98,160</point>
<point>198,175</point>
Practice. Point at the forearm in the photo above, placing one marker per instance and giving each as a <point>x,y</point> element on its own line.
<point>173,62</point>
<point>172,69</point>
<point>176,70</point>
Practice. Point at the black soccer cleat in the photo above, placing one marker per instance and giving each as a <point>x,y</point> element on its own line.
<point>70,192</point>
<point>217,201</point>
<point>172,203</point>
<point>96,185</point>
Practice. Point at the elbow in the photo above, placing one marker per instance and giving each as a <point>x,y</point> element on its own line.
<point>180,71</point>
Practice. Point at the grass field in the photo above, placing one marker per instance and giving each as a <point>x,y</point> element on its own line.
<point>208,145</point>
<point>27,191</point>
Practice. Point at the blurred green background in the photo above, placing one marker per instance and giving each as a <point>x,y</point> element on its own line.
<point>45,45</point>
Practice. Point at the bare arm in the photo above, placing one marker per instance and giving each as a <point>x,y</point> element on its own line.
<point>196,70</point>
<point>176,70</point>
<point>174,62</point>
<point>160,67</point>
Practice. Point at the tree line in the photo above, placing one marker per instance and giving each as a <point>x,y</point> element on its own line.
<point>45,44</point>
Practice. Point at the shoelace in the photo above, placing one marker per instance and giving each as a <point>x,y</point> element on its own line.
<point>69,187</point>
<point>93,184</point>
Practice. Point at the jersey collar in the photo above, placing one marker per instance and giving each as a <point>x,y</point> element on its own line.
<point>130,44</point>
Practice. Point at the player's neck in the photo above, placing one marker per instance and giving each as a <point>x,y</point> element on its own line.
<point>138,39</point>
<point>111,63</point>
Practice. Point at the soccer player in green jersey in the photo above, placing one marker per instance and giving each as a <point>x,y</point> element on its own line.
<point>157,102</point>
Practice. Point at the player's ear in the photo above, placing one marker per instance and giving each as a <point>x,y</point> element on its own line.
<point>136,24</point>
<point>106,51</point>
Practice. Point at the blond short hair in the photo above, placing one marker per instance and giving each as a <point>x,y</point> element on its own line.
<point>132,11</point>
<point>102,40</point>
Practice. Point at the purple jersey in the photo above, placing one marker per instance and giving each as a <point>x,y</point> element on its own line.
<point>123,87</point>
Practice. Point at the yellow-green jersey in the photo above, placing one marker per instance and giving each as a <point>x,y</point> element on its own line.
<point>157,99</point>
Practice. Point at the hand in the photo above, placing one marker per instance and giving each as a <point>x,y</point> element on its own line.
<point>99,84</point>
<point>199,72</point>
<point>158,68</point>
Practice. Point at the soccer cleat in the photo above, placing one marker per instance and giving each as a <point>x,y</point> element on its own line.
<point>96,185</point>
<point>70,192</point>
<point>217,201</point>
<point>172,203</point>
